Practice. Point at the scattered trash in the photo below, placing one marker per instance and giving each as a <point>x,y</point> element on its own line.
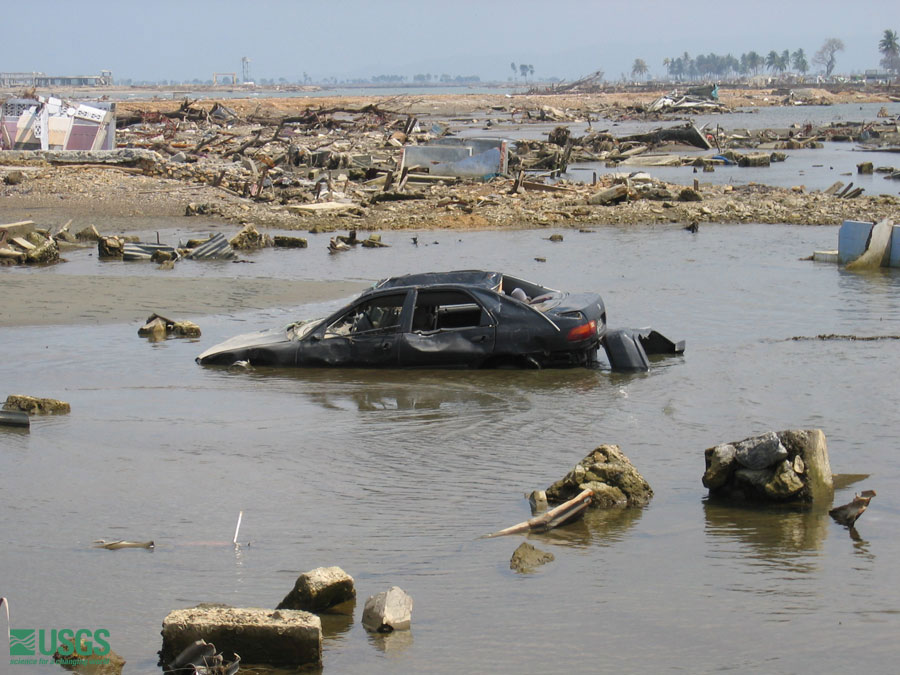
<point>122,543</point>
<point>14,418</point>
<point>201,658</point>
<point>849,513</point>
<point>159,327</point>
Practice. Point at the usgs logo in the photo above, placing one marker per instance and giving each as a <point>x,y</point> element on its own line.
<point>65,642</point>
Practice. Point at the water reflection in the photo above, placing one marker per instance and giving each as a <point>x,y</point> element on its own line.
<point>604,527</point>
<point>780,536</point>
<point>392,644</point>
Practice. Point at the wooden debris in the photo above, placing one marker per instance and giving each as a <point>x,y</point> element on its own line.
<point>849,513</point>
<point>555,517</point>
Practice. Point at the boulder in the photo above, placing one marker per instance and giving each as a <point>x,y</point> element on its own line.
<point>689,195</point>
<point>250,238</point>
<point>261,636</point>
<point>110,247</point>
<point>282,241</point>
<point>388,611</point>
<point>783,467</point>
<point>45,250</point>
<point>527,557</point>
<point>609,474</point>
<point>85,661</point>
<point>319,590</point>
<point>610,195</point>
<point>89,233</point>
<point>36,406</point>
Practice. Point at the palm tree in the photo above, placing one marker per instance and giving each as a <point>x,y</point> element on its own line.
<point>890,50</point>
<point>667,64</point>
<point>798,60</point>
<point>772,59</point>
<point>754,62</point>
<point>639,68</point>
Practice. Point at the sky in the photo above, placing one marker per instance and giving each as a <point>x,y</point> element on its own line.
<point>350,39</point>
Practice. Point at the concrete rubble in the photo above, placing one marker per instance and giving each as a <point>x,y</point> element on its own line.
<point>284,637</point>
<point>374,168</point>
<point>777,467</point>
<point>159,327</point>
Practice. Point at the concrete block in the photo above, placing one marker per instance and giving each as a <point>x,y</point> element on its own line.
<point>261,636</point>
<point>852,239</point>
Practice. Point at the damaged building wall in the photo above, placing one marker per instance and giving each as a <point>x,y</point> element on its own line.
<point>54,124</point>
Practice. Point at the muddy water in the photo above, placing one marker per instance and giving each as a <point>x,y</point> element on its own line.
<point>395,475</point>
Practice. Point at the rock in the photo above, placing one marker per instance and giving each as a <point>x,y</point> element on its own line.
<point>689,195</point>
<point>88,659</point>
<point>319,590</point>
<point>865,168</point>
<point>186,329</point>
<point>611,195</point>
<point>155,327</point>
<point>608,473</point>
<point>719,465</point>
<point>45,250</point>
<point>784,483</point>
<point>527,557</point>
<point>559,136</point>
<point>36,406</point>
<point>556,237</point>
<point>110,247</point>
<point>761,159</point>
<point>14,177</point>
<point>883,112</point>
<point>760,452</point>
<point>178,158</point>
<point>538,501</point>
<point>261,636</point>
<point>784,467</point>
<point>388,611</point>
<point>89,233</point>
<point>281,241</point>
<point>374,241</point>
<point>160,256</point>
<point>250,238</point>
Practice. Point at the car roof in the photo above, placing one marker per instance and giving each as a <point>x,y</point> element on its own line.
<point>479,278</point>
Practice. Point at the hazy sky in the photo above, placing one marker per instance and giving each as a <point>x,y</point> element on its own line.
<point>165,39</point>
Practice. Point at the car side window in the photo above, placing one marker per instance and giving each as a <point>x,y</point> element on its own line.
<point>378,316</point>
<point>445,310</point>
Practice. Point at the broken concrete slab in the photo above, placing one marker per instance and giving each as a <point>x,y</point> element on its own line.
<point>261,636</point>
<point>526,557</point>
<point>320,207</point>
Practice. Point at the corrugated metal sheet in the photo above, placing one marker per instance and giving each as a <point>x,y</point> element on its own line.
<point>216,248</point>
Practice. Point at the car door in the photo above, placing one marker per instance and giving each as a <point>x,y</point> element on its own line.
<point>450,328</point>
<point>364,335</point>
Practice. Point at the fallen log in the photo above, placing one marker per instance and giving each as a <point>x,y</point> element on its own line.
<point>555,517</point>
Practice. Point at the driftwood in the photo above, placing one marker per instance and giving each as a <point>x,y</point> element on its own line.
<point>558,515</point>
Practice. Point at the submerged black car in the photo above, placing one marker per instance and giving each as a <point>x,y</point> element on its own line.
<point>463,319</point>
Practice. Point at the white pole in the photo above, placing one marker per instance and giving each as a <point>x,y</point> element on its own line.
<point>237,527</point>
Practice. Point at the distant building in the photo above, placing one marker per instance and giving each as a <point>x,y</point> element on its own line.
<point>37,79</point>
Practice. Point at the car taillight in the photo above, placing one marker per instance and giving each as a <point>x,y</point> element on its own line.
<point>582,332</point>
